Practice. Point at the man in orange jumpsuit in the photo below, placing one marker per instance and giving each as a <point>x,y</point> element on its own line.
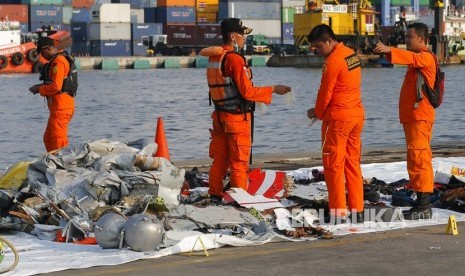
<point>339,106</point>
<point>60,103</point>
<point>233,94</point>
<point>416,115</point>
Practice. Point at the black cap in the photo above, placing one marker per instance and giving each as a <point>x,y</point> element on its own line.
<point>44,42</point>
<point>234,25</point>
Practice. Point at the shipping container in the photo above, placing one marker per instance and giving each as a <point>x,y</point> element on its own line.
<point>111,48</point>
<point>24,26</point>
<point>67,14</point>
<point>209,35</point>
<point>38,26</point>
<point>137,16</point>
<point>207,17</point>
<point>196,35</point>
<point>148,3</point>
<point>87,4</point>
<point>250,10</point>
<point>12,2</point>
<point>259,1</point>
<point>288,31</point>
<point>81,49</point>
<point>150,15</point>
<point>46,14</point>
<point>139,30</point>
<point>180,15</point>
<point>268,28</point>
<point>81,15</point>
<point>288,15</point>
<point>112,13</point>
<point>175,3</point>
<point>293,3</point>
<point>139,49</point>
<point>110,31</point>
<point>67,3</point>
<point>406,3</point>
<point>134,4</point>
<point>18,13</point>
<point>80,32</point>
<point>182,34</point>
<point>207,5</point>
<point>43,2</point>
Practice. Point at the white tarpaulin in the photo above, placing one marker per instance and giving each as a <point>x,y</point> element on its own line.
<point>41,256</point>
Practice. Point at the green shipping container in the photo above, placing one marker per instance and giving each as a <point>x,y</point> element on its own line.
<point>405,3</point>
<point>43,2</point>
<point>288,15</point>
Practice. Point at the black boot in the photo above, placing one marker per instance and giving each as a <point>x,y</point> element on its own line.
<point>356,217</point>
<point>422,209</point>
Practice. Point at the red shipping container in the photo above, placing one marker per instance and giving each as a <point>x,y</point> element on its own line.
<point>182,35</point>
<point>82,3</point>
<point>198,35</point>
<point>14,13</point>
<point>209,35</point>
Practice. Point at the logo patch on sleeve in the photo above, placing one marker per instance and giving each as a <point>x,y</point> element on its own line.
<point>353,62</point>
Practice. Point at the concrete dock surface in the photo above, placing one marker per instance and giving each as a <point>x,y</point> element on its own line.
<point>411,251</point>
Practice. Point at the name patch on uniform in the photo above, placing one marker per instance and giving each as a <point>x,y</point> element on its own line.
<point>353,62</point>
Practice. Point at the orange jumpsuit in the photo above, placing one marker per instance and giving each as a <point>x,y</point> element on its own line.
<point>339,106</point>
<point>60,105</point>
<point>231,134</point>
<point>417,122</point>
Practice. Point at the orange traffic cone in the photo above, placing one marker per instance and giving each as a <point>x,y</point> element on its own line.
<point>160,139</point>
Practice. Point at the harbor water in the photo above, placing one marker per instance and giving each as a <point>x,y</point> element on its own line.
<point>124,106</point>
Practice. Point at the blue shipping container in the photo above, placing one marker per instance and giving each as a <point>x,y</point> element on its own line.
<point>81,15</point>
<point>139,30</point>
<point>111,48</point>
<point>169,15</point>
<point>34,26</point>
<point>288,31</point>
<point>80,32</point>
<point>46,14</point>
<point>150,15</point>
<point>24,27</point>
<point>80,49</point>
<point>138,49</point>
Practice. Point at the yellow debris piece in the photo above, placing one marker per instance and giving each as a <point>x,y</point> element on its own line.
<point>15,176</point>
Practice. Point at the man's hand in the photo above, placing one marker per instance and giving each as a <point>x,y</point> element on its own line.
<point>381,49</point>
<point>311,113</point>
<point>281,89</point>
<point>34,89</point>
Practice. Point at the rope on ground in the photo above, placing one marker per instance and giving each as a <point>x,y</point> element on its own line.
<point>5,241</point>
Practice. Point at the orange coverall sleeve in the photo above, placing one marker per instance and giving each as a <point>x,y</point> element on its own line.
<point>236,68</point>
<point>58,71</point>
<point>325,93</point>
<point>423,61</point>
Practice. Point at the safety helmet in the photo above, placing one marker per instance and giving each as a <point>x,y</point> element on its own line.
<point>107,230</point>
<point>143,232</point>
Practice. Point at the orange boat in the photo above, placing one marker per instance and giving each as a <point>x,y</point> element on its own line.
<point>16,55</point>
<point>18,52</point>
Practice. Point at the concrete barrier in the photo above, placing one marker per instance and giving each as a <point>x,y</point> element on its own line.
<point>172,62</point>
<point>141,64</point>
<point>258,61</point>
<point>201,62</point>
<point>110,64</point>
<point>114,63</point>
